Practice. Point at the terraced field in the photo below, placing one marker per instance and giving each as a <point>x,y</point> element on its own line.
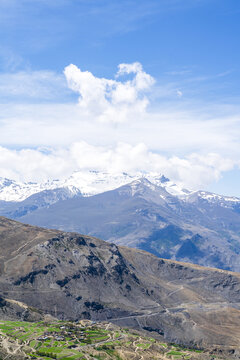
<point>86,341</point>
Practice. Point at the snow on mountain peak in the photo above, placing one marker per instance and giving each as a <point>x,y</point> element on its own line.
<point>11,190</point>
<point>89,182</point>
<point>139,186</point>
<point>92,182</point>
<point>220,200</point>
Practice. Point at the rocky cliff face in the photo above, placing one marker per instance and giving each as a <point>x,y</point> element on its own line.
<point>72,276</point>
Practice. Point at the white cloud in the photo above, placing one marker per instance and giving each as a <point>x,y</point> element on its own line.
<point>193,171</point>
<point>111,100</point>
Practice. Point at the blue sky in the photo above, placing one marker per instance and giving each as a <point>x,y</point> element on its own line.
<point>191,115</point>
<point>200,36</point>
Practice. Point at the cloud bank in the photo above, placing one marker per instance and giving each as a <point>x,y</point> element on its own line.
<point>193,171</point>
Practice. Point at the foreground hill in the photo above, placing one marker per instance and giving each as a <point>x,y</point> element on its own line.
<point>71,277</point>
<point>201,228</point>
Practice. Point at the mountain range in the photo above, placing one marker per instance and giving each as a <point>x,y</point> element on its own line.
<point>149,213</point>
<point>87,183</point>
<point>71,276</point>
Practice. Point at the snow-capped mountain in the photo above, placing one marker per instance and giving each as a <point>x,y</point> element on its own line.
<point>171,187</point>
<point>93,182</point>
<point>87,182</point>
<point>213,199</point>
<point>11,190</point>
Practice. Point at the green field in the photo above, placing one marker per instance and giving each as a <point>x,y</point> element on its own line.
<point>88,341</point>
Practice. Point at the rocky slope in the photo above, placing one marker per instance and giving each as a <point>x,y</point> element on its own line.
<point>11,309</point>
<point>72,276</point>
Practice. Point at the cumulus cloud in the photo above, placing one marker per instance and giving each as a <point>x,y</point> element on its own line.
<point>111,100</point>
<point>193,171</point>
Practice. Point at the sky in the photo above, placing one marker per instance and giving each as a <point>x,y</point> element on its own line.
<point>127,85</point>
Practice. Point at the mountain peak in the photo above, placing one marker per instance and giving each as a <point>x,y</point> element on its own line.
<point>141,185</point>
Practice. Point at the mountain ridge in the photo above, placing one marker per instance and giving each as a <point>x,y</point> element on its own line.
<point>88,183</point>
